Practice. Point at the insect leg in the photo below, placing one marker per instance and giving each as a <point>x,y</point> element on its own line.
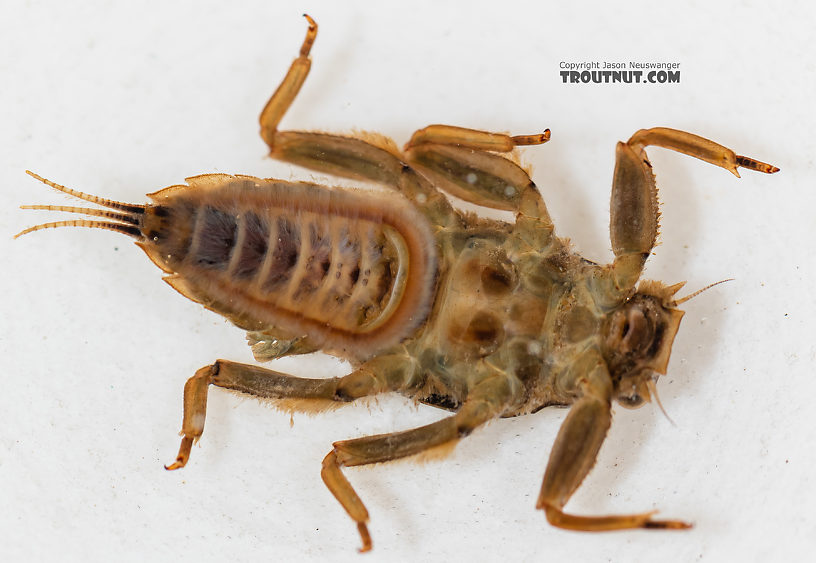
<point>698,147</point>
<point>460,160</point>
<point>473,138</point>
<point>486,401</point>
<point>634,222</point>
<point>326,153</point>
<point>574,454</point>
<point>390,372</point>
<point>287,91</point>
<point>375,159</point>
<point>463,163</point>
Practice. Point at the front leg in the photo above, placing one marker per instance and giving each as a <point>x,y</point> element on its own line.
<point>634,207</point>
<point>573,456</point>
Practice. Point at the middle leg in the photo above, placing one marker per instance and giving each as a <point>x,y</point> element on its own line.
<point>485,401</point>
<point>463,162</point>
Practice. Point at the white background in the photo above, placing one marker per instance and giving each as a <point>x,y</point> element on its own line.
<point>121,99</point>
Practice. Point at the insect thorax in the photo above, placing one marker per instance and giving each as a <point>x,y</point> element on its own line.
<point>496,309</point>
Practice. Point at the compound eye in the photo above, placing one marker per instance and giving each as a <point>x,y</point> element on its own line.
<point>630,401</point>
<point>634,390</point>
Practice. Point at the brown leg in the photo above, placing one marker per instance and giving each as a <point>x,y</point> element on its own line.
<point>332,154</point>
<point>460,160</point>
<point>464,163</point>
<point>377,161</point>
<point>381,374</point>
<point>698,147</point>
<point>573,456</point>
<point>473,138</point>
<point>634,222</point>
<point>287,91</point>
<point>485,402</point>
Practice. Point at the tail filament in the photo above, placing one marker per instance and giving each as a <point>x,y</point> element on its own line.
<point>126,220</point>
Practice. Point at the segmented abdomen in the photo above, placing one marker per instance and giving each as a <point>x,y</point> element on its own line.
<point>350,270</point>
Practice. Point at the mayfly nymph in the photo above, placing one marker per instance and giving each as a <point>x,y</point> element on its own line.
<point>477,316</point>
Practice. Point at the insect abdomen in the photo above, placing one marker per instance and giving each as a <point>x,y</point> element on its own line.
<point>349,270</point>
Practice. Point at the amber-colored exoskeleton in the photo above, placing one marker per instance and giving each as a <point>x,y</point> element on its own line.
<point>477,316</point>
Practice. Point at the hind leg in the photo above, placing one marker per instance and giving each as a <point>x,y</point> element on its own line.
<point>381,374</point>
<point>374,158</point>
